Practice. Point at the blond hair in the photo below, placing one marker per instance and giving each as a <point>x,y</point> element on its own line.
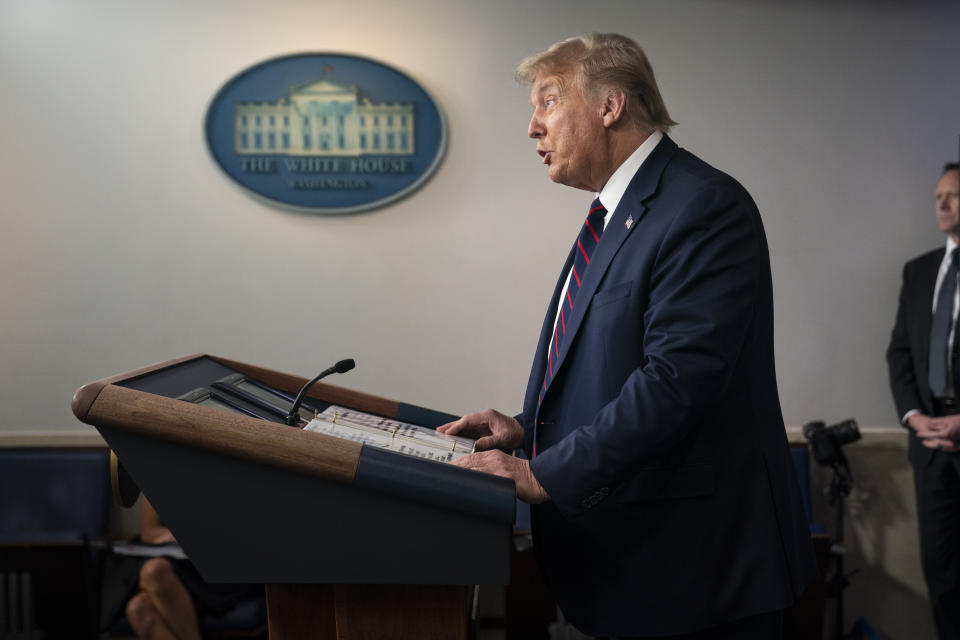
<point>602,61</point>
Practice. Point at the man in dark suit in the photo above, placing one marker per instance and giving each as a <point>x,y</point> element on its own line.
<point>925,379</point>
<point>664,497</point>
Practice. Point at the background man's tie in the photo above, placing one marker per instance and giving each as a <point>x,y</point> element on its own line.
<point>940,330</point>
<point>587,241</point>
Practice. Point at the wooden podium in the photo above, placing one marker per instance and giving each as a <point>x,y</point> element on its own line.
<point>352,542</point>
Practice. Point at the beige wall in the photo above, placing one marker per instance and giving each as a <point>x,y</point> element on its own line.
<point>122,243</point>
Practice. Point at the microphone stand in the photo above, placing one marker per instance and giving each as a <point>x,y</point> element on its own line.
<point>293,418</point>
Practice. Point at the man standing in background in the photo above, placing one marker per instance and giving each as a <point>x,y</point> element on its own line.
<point>925,379</point>
<point>665,503</point>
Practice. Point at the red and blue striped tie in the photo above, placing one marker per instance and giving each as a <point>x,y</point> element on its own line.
<point>586,244</point>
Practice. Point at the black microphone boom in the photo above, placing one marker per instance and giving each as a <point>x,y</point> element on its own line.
<point>293,418</point>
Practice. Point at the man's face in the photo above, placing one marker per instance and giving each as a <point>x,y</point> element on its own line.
<point>948,203</point>
<point>569,132</point>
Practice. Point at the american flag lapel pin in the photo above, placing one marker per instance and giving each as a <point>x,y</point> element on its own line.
<point>629,222</point>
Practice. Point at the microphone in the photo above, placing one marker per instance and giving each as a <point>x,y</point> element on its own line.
<point>293,418</point>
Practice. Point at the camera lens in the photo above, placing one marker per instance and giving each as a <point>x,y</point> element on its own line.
<point>845,432</point>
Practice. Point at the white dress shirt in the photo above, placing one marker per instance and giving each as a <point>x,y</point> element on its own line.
<point>611,195</point>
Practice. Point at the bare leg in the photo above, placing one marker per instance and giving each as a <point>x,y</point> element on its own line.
<point>146,620</point>
<point>169,600</point>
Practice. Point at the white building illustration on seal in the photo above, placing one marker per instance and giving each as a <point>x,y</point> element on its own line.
<point>323,119</point>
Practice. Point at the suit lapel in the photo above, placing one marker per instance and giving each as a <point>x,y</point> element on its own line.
<point>631,207</point>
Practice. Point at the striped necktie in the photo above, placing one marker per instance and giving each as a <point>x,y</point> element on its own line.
<point>587,242</point>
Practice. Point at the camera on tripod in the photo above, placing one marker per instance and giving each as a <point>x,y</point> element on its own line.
<point>826,445</point>
<point>826,442</point>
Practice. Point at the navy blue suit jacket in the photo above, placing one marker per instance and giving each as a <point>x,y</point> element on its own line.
<point>674,503</point>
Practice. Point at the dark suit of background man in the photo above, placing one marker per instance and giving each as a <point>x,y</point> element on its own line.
<point>665,500</point>
<point>932,416</point>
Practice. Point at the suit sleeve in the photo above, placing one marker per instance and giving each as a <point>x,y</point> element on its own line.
<point>527,423</point>
<point>705,299</point>
<point>900,361</point>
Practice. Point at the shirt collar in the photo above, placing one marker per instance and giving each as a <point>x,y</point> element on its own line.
<point>951,245</point>
<point>617,185</point>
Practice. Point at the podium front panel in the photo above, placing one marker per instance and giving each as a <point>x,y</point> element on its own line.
<point>246,517</point>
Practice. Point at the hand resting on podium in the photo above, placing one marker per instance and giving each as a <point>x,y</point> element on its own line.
<point>495,431</point>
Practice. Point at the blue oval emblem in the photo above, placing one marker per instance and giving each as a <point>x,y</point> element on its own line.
<point>327,133</point>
